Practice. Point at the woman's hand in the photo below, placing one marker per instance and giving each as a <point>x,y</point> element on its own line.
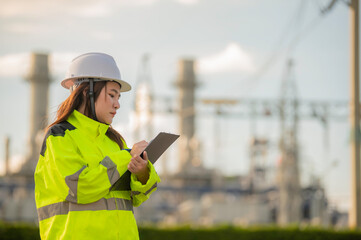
<point>139,167</point>
<point>138,148</point>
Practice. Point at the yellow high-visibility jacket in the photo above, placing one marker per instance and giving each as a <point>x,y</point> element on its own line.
<point>83,189</point>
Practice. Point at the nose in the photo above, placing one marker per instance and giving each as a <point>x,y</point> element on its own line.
<point>116,104</point>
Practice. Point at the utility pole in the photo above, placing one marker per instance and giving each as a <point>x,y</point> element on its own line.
<point>355,210</point>
<point>143,102</point>
<point>7,155</point>
<point>289,180</point>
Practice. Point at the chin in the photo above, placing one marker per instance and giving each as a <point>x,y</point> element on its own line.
<point>106,121</point>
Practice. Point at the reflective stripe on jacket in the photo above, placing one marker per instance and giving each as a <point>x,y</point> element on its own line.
<point>83,189</point>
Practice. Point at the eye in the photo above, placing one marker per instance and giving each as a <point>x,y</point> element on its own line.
<point>111,95</point>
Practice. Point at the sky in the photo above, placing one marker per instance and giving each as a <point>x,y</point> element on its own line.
<point>241,49</point>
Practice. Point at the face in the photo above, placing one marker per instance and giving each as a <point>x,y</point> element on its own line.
<point>107,104</point>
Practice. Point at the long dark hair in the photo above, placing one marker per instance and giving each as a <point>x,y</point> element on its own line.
<point>76,99</point>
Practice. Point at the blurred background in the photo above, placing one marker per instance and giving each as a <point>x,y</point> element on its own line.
<point>259,91</point>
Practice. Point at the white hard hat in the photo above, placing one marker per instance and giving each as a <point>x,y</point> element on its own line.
<point>98,66</point>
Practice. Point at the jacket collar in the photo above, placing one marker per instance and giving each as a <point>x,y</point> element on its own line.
<point>91,127</point>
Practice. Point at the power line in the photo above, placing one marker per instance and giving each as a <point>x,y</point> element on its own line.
<point>315,22</point>
<point>277,53</point>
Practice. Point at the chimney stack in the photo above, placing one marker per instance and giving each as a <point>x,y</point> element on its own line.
<point>39,79</point>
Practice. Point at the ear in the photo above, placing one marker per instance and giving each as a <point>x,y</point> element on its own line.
<point>85,92</point>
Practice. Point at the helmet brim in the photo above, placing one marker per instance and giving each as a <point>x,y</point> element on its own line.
<point>124,86</point>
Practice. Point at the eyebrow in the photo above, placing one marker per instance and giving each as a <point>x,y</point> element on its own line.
<point>114,90</point>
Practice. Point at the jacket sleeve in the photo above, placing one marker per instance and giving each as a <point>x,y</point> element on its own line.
<point>84,182</point>
<point>140,192</point>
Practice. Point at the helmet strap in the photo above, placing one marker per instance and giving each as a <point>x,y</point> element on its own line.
<point>91,95</point>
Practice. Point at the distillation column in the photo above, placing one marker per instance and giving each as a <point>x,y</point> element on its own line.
<point>186,83</point>
<point>39,79</point>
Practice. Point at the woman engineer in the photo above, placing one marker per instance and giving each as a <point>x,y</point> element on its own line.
<point>87,180</point>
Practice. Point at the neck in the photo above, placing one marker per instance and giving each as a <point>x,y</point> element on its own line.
<point>81,109</point>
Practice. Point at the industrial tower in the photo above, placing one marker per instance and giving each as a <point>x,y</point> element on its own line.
<point>289,176</point>
<point>39,79</point>
<point>186,83</point>
<point>143,102</point>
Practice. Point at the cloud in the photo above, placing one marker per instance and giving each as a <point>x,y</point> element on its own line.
<point>43,8</point>
<point>98,9</point>
<point>14,64</point>
<point>102,35</point>
<point>18,65</point>
<point>25,27</point>
<point>138,2</point>
<point>232,59</point>
<point>81,8</point>
<point>11,8</point>
<point>187,2</point>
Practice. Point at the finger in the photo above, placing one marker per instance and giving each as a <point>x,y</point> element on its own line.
<point>138,160</point>
<point>145,155</point>
<point>130,167</point>
<point>133,165</point>
<point>142,143</point>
